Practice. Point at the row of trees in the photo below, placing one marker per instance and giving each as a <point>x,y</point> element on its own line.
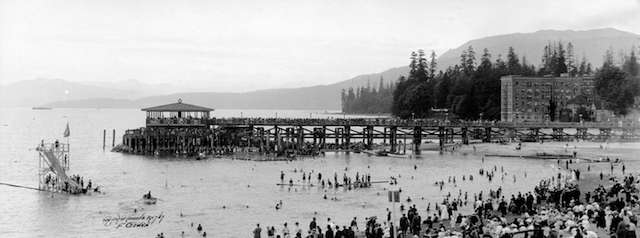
<point>618,86</point>
<point>558,59</point>
<point>471,89</point>
<point>368,99</point>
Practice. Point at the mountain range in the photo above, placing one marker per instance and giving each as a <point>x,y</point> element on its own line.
<point>590,44</point>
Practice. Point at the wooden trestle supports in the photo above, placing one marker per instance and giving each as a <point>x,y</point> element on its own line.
<point>317,135</point>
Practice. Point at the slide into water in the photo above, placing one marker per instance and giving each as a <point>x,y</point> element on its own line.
<point>56,168</point>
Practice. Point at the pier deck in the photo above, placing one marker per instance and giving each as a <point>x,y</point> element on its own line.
<point>304,135</point>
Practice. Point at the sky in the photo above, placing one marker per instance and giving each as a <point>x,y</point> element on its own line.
<point>236,46</point>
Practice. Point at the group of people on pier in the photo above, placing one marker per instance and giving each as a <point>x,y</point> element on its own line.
<point>74,185</point>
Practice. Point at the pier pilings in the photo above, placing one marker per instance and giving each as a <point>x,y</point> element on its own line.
<point>310,136</point>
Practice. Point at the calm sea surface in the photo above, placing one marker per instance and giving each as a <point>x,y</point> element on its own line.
<point>200,189</point>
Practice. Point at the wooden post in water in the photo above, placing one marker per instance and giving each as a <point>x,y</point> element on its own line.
<point>347,137</point>
<point>277,138</point>
<point>441,137</point>
<point>384,137</point>
<point>300,137</point>
<point>392,139</point>
<point>417,139</point>
<point>324,137</point>
<point>369,137</point>
<point>337,134</point>
<point>104,138</point>
<point>251,135</point>
<point>113,139</point>
<point>404,143</point>
<point>465,136</point>
<point>487,134</point>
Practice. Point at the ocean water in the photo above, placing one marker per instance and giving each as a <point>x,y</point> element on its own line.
<point>228,197</point>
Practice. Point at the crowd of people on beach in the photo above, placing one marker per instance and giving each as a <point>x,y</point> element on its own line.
<point>555,208</point>
<point>329,230</point>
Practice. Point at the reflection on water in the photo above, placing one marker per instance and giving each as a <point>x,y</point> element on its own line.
<point>226,196</point>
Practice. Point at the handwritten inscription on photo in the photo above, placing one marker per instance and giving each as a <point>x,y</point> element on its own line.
<point>132,221</point>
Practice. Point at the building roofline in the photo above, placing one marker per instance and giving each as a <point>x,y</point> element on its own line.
<point>177,107</point>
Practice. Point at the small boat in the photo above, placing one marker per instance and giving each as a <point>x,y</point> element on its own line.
<point>150,201</point>
<point>40,108</point>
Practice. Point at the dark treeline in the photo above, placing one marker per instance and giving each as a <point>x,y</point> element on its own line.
<point>618,87</point>
<point>470,90</point>
<point>368,99</point>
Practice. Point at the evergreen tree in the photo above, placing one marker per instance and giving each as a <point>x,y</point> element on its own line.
<point>554,60</point>
<point>351,97</point>
<point>422,61</point>
<point>470,63</point>
<point>608,58</point>
<point>463,60</point>
<point>560,63</point>
<point>468,109</point>
<point>631,64</point>
<point>513,63</point>
<point>527,70</point>
<point>572,69</point>
<point>501,66</point>
<point>485,66</point>
<point>615,86</point>
<point>582,70</point>
<point>545,60</point>
<point>413,65</point>
<point>413,96</point>
<point>433,65</point>
<point>443,89</point>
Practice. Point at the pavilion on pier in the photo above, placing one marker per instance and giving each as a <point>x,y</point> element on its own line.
<point>177,115</point>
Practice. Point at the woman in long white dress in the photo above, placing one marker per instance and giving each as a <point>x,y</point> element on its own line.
<point>607,218</point>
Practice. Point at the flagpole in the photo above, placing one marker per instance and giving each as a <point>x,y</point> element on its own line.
<point>68,149</point>
<point>67,134</point>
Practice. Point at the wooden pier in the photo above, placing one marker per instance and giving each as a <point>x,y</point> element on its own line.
<point>194,135</point>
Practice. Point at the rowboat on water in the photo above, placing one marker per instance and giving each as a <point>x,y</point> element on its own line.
<point>148,199</point>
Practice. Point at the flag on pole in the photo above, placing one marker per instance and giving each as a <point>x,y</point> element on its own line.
<point>66,131</point>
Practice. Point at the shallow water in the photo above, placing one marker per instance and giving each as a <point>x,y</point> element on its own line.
<point>200,189</point>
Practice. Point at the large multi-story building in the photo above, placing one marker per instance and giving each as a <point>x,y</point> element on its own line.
<point>544,98</point>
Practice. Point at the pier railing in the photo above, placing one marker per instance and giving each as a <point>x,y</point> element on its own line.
<point>413,123</point>
<point>182,121</point>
